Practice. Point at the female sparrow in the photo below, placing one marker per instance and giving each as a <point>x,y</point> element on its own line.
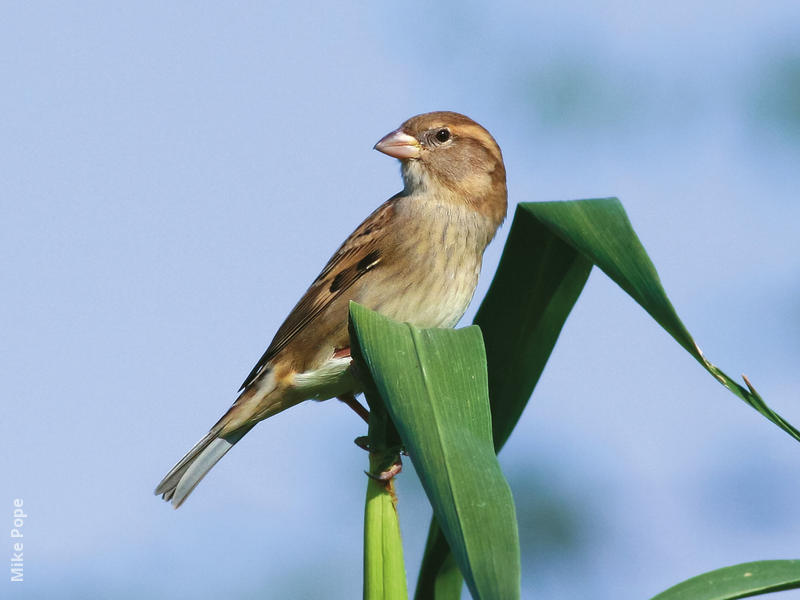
<point>415,259</point>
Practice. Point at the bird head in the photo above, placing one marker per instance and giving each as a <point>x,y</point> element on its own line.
<point>450,152</point>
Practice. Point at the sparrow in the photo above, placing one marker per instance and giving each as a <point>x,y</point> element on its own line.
<point>415,259</point>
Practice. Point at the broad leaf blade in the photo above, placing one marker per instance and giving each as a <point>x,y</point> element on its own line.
<point>546,261</point>
<point>739,581</point>
<point>599,229</point>
<point>533,291</point>
<point>434,385</point>
<point>439,576</point>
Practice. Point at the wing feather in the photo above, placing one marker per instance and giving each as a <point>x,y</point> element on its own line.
<point>359,254</point>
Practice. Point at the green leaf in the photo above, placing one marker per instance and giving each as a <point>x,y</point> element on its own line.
<point>533,291</point>
<point>738,581</point>
<point>439,576</point>
<point>546,261</point>
<point>434,385</point>
<point>599,229</point>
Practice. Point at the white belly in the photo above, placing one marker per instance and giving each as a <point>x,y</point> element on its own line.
<point>330,380</point>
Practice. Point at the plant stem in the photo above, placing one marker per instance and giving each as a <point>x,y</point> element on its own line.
<point>384,570</point>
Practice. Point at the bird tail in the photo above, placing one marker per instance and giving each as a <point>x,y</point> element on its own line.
<point>257,402</point>
<point>190,470</point>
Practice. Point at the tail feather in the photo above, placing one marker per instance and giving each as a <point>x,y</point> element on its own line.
<point>254,404</point>
<point>190,470</point>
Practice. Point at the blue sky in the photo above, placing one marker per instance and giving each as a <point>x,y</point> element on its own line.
<point>174,176</point>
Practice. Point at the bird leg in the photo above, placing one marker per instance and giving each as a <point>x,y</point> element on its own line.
<point>341,352</point>
<point>389,460</point>
<point>350,399</point>
<point>358,408</point>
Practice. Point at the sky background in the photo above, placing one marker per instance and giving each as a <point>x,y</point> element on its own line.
<point>174,175</point>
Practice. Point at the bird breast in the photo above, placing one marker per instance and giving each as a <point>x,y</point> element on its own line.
<point>431,279</point>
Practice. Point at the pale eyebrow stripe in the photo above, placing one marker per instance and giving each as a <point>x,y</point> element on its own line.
<point>479,133</point>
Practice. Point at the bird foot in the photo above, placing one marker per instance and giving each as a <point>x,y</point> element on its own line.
<point>387,474</point>
<point>362,442</point>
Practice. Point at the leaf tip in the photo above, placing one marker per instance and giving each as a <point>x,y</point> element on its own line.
<point>749,385</point>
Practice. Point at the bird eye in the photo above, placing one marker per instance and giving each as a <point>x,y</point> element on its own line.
<point>443,135</point>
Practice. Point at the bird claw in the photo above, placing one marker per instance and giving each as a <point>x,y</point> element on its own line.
<point>362,442</point>
<point>384,457</point>
<point>387,474</point>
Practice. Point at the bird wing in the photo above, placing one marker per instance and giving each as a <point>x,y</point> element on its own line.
<point>359,254</point>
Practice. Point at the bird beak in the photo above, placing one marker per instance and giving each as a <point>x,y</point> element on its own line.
<point>399,145</point>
